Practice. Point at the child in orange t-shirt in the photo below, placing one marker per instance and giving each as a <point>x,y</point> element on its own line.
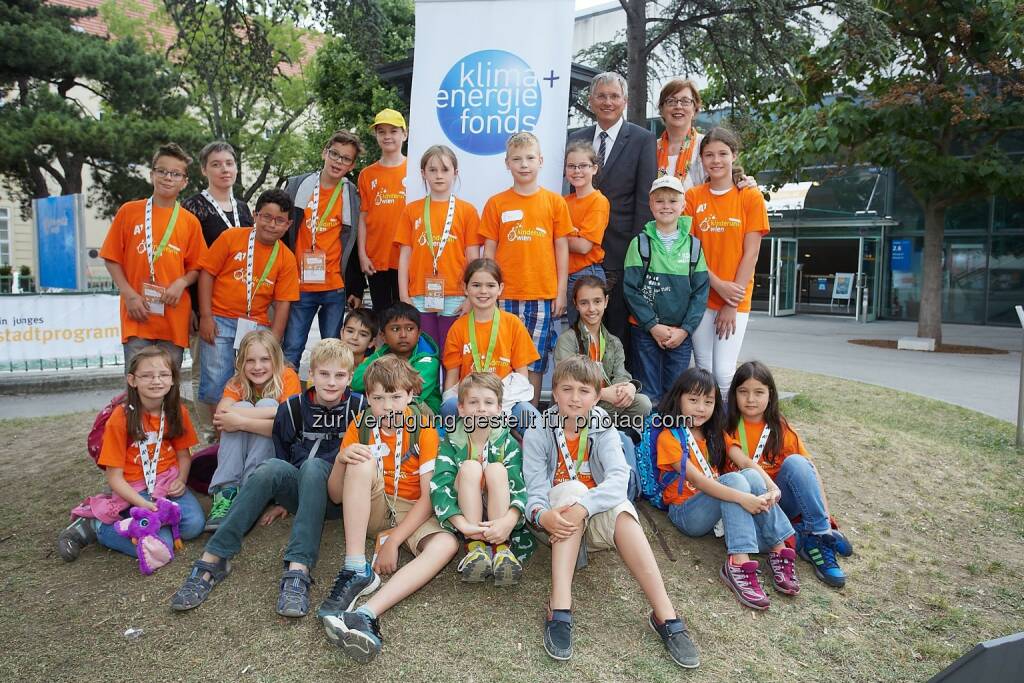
<point>436,245</point>
<point>730,223</point>
<point>699,495</point>
<point>382,200</point>
<point>145,456</point>
<point>488,339</point>
<point>245,271</point>
<point>589,210</point>
<point>152,252</point>
<point>526,230</point>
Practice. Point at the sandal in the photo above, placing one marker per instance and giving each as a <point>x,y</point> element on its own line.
<point>196,589</point>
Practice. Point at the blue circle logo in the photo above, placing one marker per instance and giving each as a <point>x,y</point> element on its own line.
<point>486,97</point>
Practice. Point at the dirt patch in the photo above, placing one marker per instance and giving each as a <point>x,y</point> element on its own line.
<point>941,348</point>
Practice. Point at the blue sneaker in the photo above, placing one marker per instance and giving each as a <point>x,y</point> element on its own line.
<point>348,587</point>
<point>843,545</point>
<point>820,552</point>
<point>356,634</point>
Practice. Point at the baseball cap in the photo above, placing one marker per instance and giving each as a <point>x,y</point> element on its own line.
<point>669,182</point>
<point>390,117</point>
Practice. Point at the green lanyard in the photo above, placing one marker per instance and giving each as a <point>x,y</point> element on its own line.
<point>266,272</point>
<point>742,430</point>
<point>330,204</point>
<point>581,448</point>
<point>600,347</point>
<point>167,233</point>
<point>481,364</point>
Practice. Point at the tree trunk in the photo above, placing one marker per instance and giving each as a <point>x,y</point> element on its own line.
<point>636,61</point>
<point>929,318</point>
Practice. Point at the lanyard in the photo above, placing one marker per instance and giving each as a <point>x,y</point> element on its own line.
<point>600,347</point>
<point>220,212</point>
<point>445,234</point>
<point>480,364</point>
<point>682,161</point>
<point>581,450</point>
<point>149,461</point>
<point>151,255</point>
<point>250,291</point>
<point>741,429</point>
<point>691,445</point>
<point>399,438</point>
<point>316,224</point>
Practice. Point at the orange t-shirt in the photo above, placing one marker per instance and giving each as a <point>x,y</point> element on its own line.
<point>791,443</point>
<point>290,385</point>
<point>412,468</point>
<point>382,198</point>
<point>514,348</point>
<point>412,233</point>
<point>589,219</point>
<point>119,451</point>
<point>721,222</point>
<point>670,452</point>
<point>125,244</point>
<point>525,229</point>
<point>583,474</point>
<point>225,261</point>
<point>328,240</point>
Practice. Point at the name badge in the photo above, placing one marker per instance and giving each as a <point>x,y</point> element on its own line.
<point>585,467</point>
<point>152,293</point>
<point>244,327</point>
<point>314,266</point>
<point>433,298</point>
<point>379,450</point>
<point>511,215</point>
<point>381,539</point>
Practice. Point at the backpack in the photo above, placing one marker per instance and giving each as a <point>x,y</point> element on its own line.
<point>94,441</point>
<point>653,481</point>
<point>643,246</point>
<point>414,434</point>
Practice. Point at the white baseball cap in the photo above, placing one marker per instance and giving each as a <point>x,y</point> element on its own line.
<point>669,182</point>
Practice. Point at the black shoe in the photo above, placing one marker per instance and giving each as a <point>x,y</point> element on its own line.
<point>356,634</point>
<point>558,634</point>
<point>75,536</point>
<point>348,587</point>
<point>677,641</point>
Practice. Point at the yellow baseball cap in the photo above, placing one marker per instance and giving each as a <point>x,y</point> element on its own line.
<point>390,117</point>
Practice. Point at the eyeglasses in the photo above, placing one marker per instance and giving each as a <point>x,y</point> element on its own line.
<point>606,97</point>
<point>279,221</point>
<point>341,158</point>
<point>149,377</point>
<point>164,173</point>
<point>578,167</point>
<point>679,102</point>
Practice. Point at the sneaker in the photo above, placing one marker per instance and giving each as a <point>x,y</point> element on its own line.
<point>476,565</point>
<point>222,501</point>
<point>348,587</point>
<point>293,600</point>
<point>677,641</point>
<point>356,634</point>
<point>75,536</point>
<point>196,589</point>
<point>820,551</point>
<point>507,569</point>
<point>783,566</point>
<point>843,545</point>
<point>742,580</point>
<point>558,634</point>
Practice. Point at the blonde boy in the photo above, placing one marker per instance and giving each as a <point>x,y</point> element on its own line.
<point>576,478</point>
<point>382,476</point>
<point>526,230</point>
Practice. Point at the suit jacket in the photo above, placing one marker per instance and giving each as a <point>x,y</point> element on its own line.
<point>626,181</point>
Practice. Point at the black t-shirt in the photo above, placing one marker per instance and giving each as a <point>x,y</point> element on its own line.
<point>213,226</point>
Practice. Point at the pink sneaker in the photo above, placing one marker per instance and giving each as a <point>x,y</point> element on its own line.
<point>783,566</point>
<point>743,581</point>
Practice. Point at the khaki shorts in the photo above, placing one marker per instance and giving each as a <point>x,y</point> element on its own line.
<point>379,509</point>
<point>600,531</point>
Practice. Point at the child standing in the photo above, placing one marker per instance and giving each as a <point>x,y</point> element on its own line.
<point>526,229</point>
<point>152,251</point>
<point>382,476</point>
<point>478,487</point>
<point>576,479</point>
<point>145,456</point>
<point>666,288</point>
<point>245,417</point>
<point>763,434</point>
<point>358,333</point>
<point>438,237</point>
<point>307,434</point>
<point>589,210</point>
<point>700,496</point>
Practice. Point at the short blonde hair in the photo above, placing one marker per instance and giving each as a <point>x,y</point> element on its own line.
<point>480,380</point>
<point>391,373</point>
<point>331,350</point>
<point>520,140</point>
<point>666,190</point>
<point>579,368</point>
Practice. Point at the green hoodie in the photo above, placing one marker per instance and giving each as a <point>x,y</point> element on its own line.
<point>503,448</point>
<point>670,294</point>
<point>425,359</point>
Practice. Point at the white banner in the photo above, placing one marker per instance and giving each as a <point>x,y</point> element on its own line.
<point>485,69</point>
<point>56,326</point>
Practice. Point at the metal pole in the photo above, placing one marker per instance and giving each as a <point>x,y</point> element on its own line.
<point>1020,394</point>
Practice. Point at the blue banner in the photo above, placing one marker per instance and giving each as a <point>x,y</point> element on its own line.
<point>899,255</point>
<point>57,241</point>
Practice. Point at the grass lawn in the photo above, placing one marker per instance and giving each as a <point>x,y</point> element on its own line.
<point>931,495</point>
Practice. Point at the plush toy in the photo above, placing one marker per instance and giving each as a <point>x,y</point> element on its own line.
<point>143,527</point>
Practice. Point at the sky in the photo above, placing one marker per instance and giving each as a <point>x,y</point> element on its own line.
<point>583,4</point>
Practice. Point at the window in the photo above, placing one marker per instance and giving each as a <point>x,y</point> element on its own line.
<point>5,236</point>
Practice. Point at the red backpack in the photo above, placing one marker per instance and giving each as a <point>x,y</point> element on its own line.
<point>94,442</point>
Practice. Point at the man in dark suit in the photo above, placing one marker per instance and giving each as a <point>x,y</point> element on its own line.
<point>629,166</point>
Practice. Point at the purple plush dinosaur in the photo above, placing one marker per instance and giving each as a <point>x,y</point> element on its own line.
<point>143,527</point>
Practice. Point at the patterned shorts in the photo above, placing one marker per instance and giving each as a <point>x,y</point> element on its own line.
<point>536,316</point>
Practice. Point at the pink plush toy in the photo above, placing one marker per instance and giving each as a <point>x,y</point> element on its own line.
<point>143,527</point>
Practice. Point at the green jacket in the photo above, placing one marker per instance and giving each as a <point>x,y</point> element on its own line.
<point>503,448</point>
<point>613,362</point>
<point>670,294</point>
<point>425,358</point>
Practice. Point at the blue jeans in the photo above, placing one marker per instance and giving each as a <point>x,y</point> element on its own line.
<point>657,368</point>
<point>744,532</point>
<point>595,269</point>
<point>241,452</point>
<point>217,360</point>
<point>331,308</point>
<point>523,413</point>
<point>802,495</point>
<point>193,520</point>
